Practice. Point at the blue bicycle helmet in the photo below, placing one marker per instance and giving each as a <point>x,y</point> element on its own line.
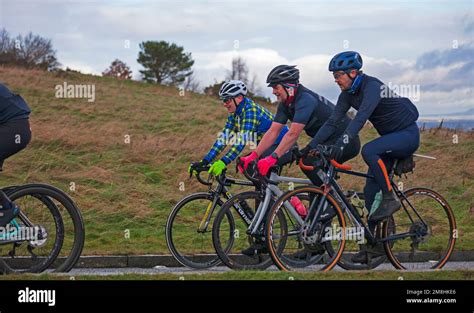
<point>345,61</point>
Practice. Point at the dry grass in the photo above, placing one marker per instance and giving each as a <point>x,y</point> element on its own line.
<point>134,185</point>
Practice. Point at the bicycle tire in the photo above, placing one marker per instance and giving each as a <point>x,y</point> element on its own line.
<point>276,251</point>
<point>398,257</point>
<point>234,259</point>
<point>73,214</point>
<point>14,264</point>
<point>191,261</point>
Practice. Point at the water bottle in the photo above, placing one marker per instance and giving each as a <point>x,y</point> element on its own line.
<point>300,208</point>
<point>377,200</point>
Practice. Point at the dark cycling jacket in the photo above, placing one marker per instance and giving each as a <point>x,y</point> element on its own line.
<point>249,121</point>
<point>374,102</point>
<point>313,110</point>
<point>12,106</point>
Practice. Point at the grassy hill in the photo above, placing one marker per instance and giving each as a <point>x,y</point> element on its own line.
<point>131,187</point>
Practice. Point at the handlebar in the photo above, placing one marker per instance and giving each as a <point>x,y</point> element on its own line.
<point>199,170</point>
<point>255,180</point>
<point>221,179</point>
<point>246,174</point>
<point>324,152</point>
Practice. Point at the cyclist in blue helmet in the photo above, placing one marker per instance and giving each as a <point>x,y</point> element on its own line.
<point>15,134</point>
<point>393,117</point>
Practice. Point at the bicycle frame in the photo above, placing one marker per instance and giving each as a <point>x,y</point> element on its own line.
<point>220,190</point>
<point>272,190</point>
<point>332,187</point>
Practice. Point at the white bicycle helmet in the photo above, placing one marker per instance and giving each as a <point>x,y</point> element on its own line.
<point>232,89</point>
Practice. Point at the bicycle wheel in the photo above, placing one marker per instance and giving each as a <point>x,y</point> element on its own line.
<point>188,241</point>
<point>287,244</point>
<point>231,239</point>
<point>354,238</point>
<point>32,241</point>
<point>429,222</point>
<point>74,231</point>
<point>353,246</point>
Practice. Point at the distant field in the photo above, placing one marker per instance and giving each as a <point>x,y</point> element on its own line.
<point>129,188</point>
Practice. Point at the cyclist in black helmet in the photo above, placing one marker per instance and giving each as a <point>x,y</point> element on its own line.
<point>15,134</point>
<point>307,111</point>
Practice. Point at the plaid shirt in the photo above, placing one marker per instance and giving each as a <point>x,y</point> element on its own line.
<point>250,121</point>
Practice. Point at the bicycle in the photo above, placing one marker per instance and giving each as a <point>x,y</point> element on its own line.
<point>400,235</point>
<point>247,230</point>
<point>193,247</point>
<point>49,222</point>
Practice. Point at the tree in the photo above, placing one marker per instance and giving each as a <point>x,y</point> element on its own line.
<point>191,84</point>
<point>213,90</point>
<point>119,70</point>
<point>31,51</point>
<point>239,70</point>
<point>253,86</point>
<point>164,63</point>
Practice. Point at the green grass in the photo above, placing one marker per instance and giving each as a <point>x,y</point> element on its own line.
<point>254,275</point>
<point>133,186</point>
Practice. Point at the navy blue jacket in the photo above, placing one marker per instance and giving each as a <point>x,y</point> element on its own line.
<point>12,106</point>
<point>387,113</point>
<point>312,110</point>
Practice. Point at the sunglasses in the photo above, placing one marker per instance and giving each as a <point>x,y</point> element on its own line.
<point>336,75</point>
<point>227,100</point>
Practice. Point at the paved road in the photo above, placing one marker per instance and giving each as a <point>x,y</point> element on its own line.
<point>221,269</point>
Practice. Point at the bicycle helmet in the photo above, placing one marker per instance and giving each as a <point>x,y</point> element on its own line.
<point>283,74</point>
<point>345,61</point>
<point>232,89</point>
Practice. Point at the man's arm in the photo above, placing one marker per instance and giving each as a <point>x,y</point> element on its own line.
<point>220,143</point>
<point>369,103</point>
<point>330,126</point>
<point>290,138</point>
<point>248,127</point>
<point>304,109</point>
<point>269,138</point>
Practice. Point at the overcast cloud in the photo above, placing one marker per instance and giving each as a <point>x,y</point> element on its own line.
<point>426,43</point>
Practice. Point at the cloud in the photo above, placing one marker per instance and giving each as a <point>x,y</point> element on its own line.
<point>461,53</point>
<point>90,34</point>
<point>443,88</point>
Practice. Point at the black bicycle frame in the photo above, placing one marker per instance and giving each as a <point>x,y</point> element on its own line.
<point>331,182</point>
<point>221,189</point>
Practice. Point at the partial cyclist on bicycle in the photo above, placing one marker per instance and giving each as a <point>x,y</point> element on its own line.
<point>307,111</point>
<point>247,121</point>
<point>15,134</point>
<point>393,117</point>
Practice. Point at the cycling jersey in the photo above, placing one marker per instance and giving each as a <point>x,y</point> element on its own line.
<point>249,121</point>
<point>312,110</point>
<point>387,114</point>
<point>12,106</point>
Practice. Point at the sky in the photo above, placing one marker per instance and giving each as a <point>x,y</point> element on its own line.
<point>423,48</point>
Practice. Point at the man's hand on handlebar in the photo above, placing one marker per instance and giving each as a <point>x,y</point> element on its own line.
<point>246,160</point>
<point>196,167</point>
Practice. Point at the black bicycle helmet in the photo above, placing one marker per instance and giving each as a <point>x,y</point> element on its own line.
<point>283,74</point>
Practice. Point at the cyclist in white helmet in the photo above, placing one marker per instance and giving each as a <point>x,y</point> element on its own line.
<point>246,121</point>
